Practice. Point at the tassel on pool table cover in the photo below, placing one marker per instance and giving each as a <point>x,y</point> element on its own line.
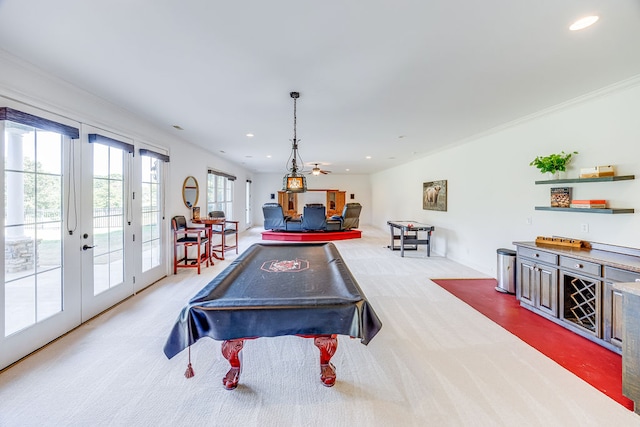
<point>189,372</point>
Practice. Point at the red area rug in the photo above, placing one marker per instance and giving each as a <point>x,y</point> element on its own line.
<point>593,363</point>
<point>311,236</point>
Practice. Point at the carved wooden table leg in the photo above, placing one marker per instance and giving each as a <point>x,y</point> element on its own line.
<point>231,352</point>
<point>327,345</point>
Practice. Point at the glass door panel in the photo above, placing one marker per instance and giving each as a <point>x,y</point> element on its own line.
<point>151,212</point>
<point>32,226</point>
<point>108,217</point>
<point>152,229</point>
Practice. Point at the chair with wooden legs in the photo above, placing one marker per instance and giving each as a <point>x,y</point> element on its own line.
<point>185,237</point>
<point>224,228</point>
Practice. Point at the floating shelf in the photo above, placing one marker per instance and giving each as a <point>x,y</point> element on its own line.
<point>585,210</point>
<point>601,179</point>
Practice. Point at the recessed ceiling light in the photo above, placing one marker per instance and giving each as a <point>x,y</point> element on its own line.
<point>368,157</point>
<point>268,156</point>
<point>583,23</point>
<point>347,170</point>
<point>249,135</point>
<point>177,127</point>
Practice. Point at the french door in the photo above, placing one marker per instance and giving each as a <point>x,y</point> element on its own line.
<point>151,233</point>
<point>40,296</point>
<point>107,222</point>
<point>76,238</point>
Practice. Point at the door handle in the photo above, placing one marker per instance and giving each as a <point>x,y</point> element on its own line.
<point>85,247</point>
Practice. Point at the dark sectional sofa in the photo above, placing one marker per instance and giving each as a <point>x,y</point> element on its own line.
<point>313,218</point>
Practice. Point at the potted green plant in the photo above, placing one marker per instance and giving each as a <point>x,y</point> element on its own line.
<point>553,163</point>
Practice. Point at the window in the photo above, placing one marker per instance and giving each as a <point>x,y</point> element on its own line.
<point>248,204</point>
<point>220,192</point>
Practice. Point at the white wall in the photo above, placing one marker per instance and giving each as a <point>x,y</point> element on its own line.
<point>359,185</point>
<point>191,160</point>
<point>491,190</point>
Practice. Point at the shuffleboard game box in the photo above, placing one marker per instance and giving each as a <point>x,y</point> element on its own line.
<point>561,197</point>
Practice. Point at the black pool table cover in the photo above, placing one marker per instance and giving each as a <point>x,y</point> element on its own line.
<point>273,290</point>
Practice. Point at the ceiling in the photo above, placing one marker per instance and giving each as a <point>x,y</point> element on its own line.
<point>393,80</point>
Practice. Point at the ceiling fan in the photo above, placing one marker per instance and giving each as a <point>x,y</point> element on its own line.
<point>317,171</point>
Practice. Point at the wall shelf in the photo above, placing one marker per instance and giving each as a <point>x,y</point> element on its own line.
<point>585,210</point>
<point>600,179</point>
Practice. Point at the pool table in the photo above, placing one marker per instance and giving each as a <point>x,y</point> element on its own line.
<point>271,290</point>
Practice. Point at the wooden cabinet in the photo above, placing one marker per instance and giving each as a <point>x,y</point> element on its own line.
<point>335,202</point>
<point>577,288</point>
<point>537,280</point>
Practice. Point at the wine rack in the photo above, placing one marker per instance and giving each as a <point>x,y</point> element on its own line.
<point>581,302</point>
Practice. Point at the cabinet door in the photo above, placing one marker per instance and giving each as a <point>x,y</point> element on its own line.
<point>335,202</point>
<point>525,284</point>
<point>547,289</point>
<point>341,197</point>
<point>289,202</point>
<point>331,203</point>
<point>612,315</point>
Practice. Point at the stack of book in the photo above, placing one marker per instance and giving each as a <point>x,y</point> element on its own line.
<point>589,204</point>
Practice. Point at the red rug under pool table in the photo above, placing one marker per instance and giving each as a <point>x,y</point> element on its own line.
<point>602,368</point>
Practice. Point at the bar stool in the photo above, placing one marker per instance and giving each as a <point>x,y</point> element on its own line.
<point>223,227</point>
<point>188,237</point>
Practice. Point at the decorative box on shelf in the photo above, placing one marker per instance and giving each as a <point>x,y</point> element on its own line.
<point>561,197</point>
<point>597,172</point>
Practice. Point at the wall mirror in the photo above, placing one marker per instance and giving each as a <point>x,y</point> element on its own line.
<point>190,192</point>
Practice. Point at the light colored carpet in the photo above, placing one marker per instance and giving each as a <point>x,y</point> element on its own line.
<point>436,362</point>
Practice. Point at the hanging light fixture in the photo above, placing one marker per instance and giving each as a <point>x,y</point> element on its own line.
<point>294,181</point>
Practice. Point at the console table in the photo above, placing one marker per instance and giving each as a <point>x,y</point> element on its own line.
<point>408,236</point>
<point>575,287</point>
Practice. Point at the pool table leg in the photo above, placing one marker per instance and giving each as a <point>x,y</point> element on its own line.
<point>327,345</point>
<point>231,352</point>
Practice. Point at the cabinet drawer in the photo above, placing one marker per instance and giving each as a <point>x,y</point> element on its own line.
<point>586,267</point>
<point>537,255</point>
<point>618,275</point>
